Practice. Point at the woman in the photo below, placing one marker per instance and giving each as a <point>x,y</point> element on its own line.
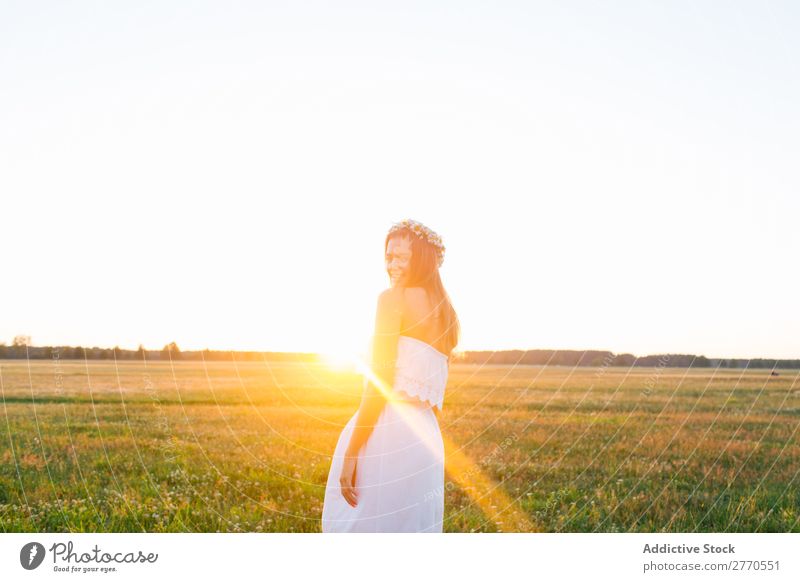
<point>387,473</point>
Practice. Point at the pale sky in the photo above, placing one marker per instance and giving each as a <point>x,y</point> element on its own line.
<point>620,177</point>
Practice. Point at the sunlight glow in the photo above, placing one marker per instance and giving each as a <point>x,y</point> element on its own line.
<point>487,494</point>
<point>340,360</point>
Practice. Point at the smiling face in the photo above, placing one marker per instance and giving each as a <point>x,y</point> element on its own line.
<point>398,260</point>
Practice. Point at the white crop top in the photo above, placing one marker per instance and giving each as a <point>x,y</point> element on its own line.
<point>420,370</point>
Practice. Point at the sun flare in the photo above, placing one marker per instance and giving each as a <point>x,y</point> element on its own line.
<point>340,359</point>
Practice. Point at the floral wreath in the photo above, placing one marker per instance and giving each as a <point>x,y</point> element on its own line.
<point>421,231</point>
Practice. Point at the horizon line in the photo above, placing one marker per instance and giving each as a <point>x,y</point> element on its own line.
<point>455,351</point>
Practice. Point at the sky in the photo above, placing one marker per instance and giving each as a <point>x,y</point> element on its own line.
<point>618,176</point>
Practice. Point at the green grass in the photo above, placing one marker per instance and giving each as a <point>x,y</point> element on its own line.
<point>245,447</point>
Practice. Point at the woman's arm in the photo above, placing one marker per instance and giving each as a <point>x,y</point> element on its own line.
<point>388,320</point>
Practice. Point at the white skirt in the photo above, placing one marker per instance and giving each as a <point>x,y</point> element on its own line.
<point>399,475</point>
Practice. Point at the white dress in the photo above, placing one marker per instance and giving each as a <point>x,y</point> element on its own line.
<point>400,469</point>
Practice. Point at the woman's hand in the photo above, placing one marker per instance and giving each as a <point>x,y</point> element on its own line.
<point>347,479</point>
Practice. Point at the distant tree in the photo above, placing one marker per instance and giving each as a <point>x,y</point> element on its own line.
<point>140,353</point>
<point>21,342</point>
<point>626,360</point>
<point>171,351</point>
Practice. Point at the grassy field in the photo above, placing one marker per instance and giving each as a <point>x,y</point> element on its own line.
<point>245,447</point>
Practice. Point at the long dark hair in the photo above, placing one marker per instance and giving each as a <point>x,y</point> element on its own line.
<point>424,272</point>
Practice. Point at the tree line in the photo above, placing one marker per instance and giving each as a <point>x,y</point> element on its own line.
<point>21,348</point>
<point>596,358</point>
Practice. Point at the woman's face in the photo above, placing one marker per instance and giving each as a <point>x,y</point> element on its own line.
<point>398,260</point>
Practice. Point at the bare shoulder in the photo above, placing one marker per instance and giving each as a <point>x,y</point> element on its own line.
<point>391,300</point>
